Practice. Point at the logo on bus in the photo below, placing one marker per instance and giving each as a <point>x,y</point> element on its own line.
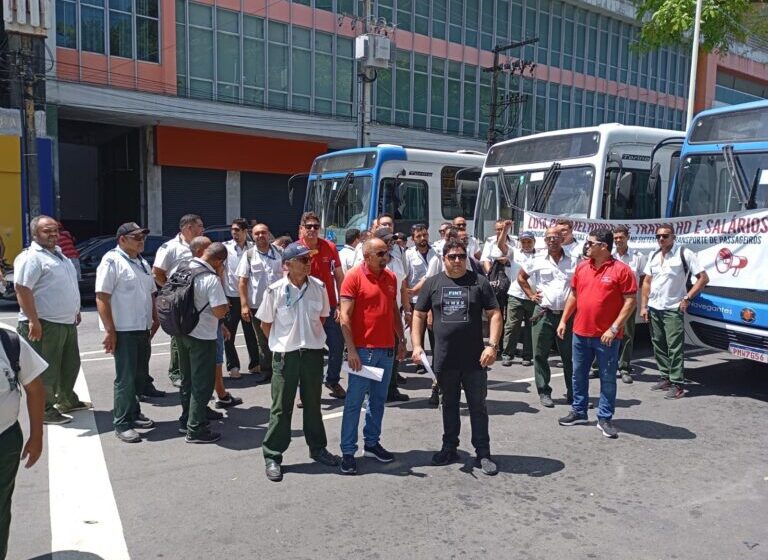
<point>748,315</point>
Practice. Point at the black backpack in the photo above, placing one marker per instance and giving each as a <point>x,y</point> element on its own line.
<point>498,279</point>
<point>176,301</point>
<point>12,346</point>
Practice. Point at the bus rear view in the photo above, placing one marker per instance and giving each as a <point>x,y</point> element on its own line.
<point>724,170</point>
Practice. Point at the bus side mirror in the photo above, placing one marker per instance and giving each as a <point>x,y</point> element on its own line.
<point>654,178</point>
<point>293,181</point>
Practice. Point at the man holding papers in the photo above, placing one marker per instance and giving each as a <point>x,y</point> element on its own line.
<point>292,313</point>
<point>457,298</point>
<point>370,323</point>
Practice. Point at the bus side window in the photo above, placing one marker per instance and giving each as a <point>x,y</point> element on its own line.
<point>406,200</point>
<point>457,198</point>
<point>638,205</point>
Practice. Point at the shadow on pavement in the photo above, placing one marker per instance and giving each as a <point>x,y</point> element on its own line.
<point>514,386</point>
<point>650,429</point>
<point>69,555</point>
<point>509,408</point>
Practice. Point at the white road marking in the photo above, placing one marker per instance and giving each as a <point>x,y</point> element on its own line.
<point>84,515</point>
<point>93,352</point>
<point>490,386</point>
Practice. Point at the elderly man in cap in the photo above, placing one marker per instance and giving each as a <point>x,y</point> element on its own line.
<point>292,313</point>
<point>127,314</point>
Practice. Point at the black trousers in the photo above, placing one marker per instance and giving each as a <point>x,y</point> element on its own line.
<point>11,442</point>
<point>475,384</point>
<point>234,319</point>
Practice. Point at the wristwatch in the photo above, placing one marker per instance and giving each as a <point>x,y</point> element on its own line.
<point>491,345</point>
<point>614,329</point>
<point>686,297</point>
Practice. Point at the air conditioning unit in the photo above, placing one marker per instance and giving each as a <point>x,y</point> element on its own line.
<point>30,17</point>
<point>374,50</point>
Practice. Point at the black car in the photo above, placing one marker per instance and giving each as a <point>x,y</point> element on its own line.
<point>95,248</point>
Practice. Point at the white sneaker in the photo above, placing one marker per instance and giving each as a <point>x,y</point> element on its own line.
<point>234,373</point>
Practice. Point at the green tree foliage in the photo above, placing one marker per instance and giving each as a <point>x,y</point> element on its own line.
<point>723,22</point>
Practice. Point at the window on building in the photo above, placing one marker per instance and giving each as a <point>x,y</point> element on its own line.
<point>439,18</point>
<point>383,86</point>
<point>345,72</point>
<point>254,61</point>
<point>487,24</point>
<point>66,24</point>
<point>201,51</point>
<point>470,100</point>
<point>437,95</point>
<point>405,14</point>
<point>471,22</point>
<point>120,29</point>
<point>456,21</point>
<point>421,18</point>
<point>228,69</point>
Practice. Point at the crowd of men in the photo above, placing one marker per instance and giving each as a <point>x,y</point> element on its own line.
<point>298,301</point>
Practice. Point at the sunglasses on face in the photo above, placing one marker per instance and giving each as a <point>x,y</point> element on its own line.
<point>552,238</point>
<point>303,260</point>
<point>590,243</point>
<point>311,226</point>
<point>456,257</point>
<point>460,226</point>
<point>663,235</point>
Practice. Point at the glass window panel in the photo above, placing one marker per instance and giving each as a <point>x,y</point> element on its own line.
<point>470,101</point>
<point>419,121</point>
<point>300,103</point>
<point>301,71</point>
<point>324,42</point>
<point>453,126</point>
<point>227,21</point>
<point>324,4</point>
<point>200,89</point>
<point>181,49</point>
<point>121,5</point>
<point>302,37</point>
<point>324,75</point>
<point>145,8</point>
<point>323,107</point>
<point>343,109</point>
<point>438,96</point>
<point>228,93</point>
<point>345,6</point>
<point>436,124</point>
<point>277,64</point>
<point>181,11</point>
<point>200,15</point>
<point>253,96</point>
<point>454,69</point>
<point>278,32</point>
<point>402,118</point>
<point>420,62</point>
<point>200,53</point>
<point>457,12</point>
<point>420,89</point>
<point>253,27</point>
<point>344,47</point>
<point>253,63</point>
<point>147,39</point>
<point>228,58</point>
<point>345,69</point>
<point>92,29</point>
<point>438,66</point>
<point>384,116</point>
<point>454,99</point>
<point>120,34</point>
<point>277,100</point>
<point>403,90</point>
<point>384,89</point>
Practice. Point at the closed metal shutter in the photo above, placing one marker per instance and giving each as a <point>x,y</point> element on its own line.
<point>264,197</point>
<point>193,191</point>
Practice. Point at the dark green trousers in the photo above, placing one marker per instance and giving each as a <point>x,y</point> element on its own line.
<point>544,335</point>
<point>265,354</point>
<point>132,352</point>
<point>59,348</point>
<point>519,311</point>
<point>197,365</point>
<point>303,367</point>
<point>627,344</point>
<point>668,337</point>
<point>11,442</point>
<point>173,368</point>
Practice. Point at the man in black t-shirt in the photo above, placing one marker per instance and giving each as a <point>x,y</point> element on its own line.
<point>457,299</point>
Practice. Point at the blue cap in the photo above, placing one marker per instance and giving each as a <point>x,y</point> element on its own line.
<point>526,235</point>
<point>294,250</point>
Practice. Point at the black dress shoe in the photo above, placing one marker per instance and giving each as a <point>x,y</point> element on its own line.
<point>273,470</point>
<point>397,396</point>
<point>211,414</point>
<point>151,392</point>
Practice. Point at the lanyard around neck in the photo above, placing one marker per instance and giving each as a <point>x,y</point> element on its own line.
<point>135,263</point>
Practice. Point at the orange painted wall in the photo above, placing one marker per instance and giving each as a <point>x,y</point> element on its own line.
<point>184,147</point>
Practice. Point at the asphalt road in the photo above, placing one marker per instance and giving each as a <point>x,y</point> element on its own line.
<point>686,479</point>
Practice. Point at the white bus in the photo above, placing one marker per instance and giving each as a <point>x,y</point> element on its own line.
<point>594,172</point>
<point>349,188</point>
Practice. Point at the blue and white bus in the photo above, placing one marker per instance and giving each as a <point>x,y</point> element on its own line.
<point>724,169</point>
<point>349,188</point>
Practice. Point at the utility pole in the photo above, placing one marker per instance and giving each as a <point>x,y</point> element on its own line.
<point>366,82</point>
<point>694,64</point>
<point>493,132</point>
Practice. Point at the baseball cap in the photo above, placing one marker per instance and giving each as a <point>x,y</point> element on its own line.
<point>526,235</point>
<point>294,250</point>
<point>129,228</point>
<point>385,234</point>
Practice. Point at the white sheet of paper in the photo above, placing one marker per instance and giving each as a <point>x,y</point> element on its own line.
<point>375,373</point>
<point>425,362</point>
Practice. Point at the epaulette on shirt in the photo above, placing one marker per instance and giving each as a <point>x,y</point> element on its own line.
<point>317,281</point>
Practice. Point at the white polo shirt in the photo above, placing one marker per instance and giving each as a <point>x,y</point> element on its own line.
<point>171,254</point>
<point>53,280</point>
<point>234,256</point>
<point>32,365</point>
<point>295,314</point>
<point>397,267</point>
<point>261,269</point>
<point>668,277</point>
<point>634,259</point>
<point>438,247</point>
<point>209,293</point>
<point>131,285</point>
<point>347,256</point>
<point>552,279</point>
<point>418,265</point>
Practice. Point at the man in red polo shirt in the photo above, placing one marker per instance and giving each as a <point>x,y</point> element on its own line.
<point>373,331</point>
<point>326,267</point>
<point>603,295</point>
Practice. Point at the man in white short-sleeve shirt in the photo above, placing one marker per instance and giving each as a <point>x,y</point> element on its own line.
<point>25,373</point>
<point>291,315</point>
<point>665,299</point>
<point>126,305</point>
<point>197,350</point>
<point>49,312</point>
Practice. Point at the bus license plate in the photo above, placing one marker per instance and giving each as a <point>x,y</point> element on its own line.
<point>755,354</point>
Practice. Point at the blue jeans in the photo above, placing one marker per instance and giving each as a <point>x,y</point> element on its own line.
<point>335,342</point>
<point>586,349</point>
<point>377,396</point>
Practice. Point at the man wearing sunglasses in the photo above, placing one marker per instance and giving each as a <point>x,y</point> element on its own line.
<point>473,247</point>
<point>665,298</point>
<point>326,267</point>
<point>603,296</point>
<point>443,231</point>
<point>457,299</point>
<point>292,314</point>
<point>127,314</point>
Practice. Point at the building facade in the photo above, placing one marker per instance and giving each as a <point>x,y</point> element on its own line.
<point>161,107</point>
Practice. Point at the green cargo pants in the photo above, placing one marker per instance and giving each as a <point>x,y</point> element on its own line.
<point>197,365</point>
<point>627,344</point>
<point>668,337</point>
<point>11,442</point>
<point>519,311</point>
<point>265,354</point>
<point>173,368</point>
<point>303,367</point>
<point>58,346</point>
<point>132,351</point>
<point>544,335</point>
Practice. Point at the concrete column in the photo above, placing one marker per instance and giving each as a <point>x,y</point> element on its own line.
<point>232,194</point>
<point>154,184</point>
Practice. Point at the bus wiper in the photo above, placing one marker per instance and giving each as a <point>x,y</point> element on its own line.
<point>505,188</point>
<point>751,203</point>
<point>342,188</point>
<point>733,166</point>
<point>546,188</point>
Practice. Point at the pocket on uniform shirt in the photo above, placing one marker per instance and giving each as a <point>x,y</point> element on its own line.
<point>316,306</point>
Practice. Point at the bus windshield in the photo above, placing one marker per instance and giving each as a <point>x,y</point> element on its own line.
<point>571,196</point>
<point>704,184</point>
<point>341,203</point>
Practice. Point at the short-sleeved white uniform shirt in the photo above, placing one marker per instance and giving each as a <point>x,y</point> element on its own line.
<point>234,256</point>
<point>209,293</point>
<point>262,270</point>
<point>171,254</point>
<point>130,283</point>
<point>32,365</point>
<point>668,277</point>
<point>552,279</point>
